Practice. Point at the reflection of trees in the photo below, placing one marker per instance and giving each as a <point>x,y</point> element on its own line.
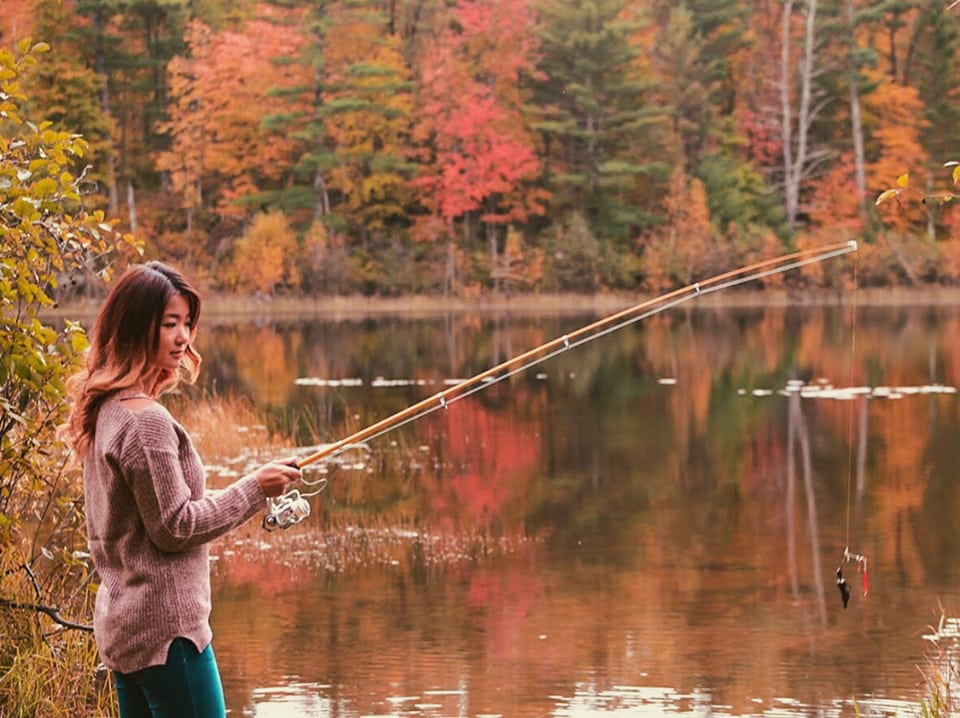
<point>691,528</point>
<point>797,433</point>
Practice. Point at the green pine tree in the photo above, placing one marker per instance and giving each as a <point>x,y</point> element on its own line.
<point>599,127</point>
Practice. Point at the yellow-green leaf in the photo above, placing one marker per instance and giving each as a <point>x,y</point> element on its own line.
<point>903,179</point>
<point>885,195</point>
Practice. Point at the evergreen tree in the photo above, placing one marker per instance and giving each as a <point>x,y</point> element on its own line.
<point>129,45</point>
<point>600,126</point>
<point>935,70</point>
<point>367,108</point>
<point>299,112</point>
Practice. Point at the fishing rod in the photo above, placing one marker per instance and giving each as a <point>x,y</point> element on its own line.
<point>292,507</point>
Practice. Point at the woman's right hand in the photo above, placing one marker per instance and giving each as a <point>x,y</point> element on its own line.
<point>275,477</point>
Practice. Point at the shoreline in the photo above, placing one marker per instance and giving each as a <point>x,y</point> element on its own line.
<point>226,307</point>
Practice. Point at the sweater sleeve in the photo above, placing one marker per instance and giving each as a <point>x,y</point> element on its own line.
<point>166,478</point>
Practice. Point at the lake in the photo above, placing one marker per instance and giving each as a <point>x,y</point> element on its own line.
<point>647,524</point>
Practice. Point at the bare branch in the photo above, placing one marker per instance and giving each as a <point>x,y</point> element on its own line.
<point>51,611</point>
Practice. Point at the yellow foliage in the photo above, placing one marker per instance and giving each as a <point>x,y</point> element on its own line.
<point>522,265</point>
<point>266,256</point>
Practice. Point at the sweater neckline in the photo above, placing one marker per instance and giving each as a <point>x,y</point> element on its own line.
<point>131,393</point>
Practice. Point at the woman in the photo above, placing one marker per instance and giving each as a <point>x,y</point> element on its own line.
<point>149,518</point>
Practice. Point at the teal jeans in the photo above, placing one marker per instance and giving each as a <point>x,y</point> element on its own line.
<point>187,686</point>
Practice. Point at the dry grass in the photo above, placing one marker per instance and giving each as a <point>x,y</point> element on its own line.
<point>224,428</point>
<point>47,670</point>
<point>222,309</point>
<point>941,673</point>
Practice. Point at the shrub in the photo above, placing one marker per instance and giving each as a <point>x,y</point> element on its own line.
<point>45,236</point>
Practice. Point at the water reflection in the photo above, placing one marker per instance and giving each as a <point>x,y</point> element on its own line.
<point>646,524</point>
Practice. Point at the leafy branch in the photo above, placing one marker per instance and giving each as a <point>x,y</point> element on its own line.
<point>903,187</point>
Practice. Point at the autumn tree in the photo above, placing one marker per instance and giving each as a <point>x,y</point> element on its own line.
<point>686,246</point>
<point>220,157</point>
<point>801,101</point>
<point>478,158</point>
<point>265,258</point>
<point>857,56</point>
<point>64,89</point>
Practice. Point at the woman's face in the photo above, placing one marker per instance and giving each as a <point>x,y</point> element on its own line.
<point>174,333</point>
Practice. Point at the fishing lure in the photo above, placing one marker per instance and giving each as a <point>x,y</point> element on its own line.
<point>292,508</point>
<point>842,584</point>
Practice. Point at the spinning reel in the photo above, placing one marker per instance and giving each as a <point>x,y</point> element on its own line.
<point>285,511</point>
<point>290,508</point>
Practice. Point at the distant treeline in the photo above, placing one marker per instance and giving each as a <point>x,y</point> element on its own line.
<point>398,146</point>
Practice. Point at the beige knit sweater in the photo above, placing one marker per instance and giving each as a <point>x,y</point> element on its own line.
<point>149,520</point>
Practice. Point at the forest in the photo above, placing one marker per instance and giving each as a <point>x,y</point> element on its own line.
<point>390,147</point>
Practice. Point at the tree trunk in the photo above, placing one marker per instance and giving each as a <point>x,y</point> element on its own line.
<point>449,278</point>
<point>100,64</point>
<point>856,123</point>
<point>495,273</point>
<point>795,164</point>
<point>322,205</point>
<point>131,207</point>
<point>786,118</point>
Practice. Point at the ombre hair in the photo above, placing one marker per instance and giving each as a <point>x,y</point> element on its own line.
<point>125,336</point>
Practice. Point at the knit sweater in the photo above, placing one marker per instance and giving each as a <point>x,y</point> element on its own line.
<point>149,520</point>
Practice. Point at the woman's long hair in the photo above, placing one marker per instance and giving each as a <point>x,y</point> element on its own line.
<point>125,336</point>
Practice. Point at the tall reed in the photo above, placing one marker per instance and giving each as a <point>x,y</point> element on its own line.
<point>941,672</point>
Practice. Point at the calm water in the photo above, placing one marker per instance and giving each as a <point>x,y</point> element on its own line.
<point>645,525</point>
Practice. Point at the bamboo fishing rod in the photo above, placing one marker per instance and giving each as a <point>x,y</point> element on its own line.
<point>545,351</point>
<point>587,333</point>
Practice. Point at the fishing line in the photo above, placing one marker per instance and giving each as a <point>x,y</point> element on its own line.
<point>853,355</point>
<point>848,556</point>
<point>292,507</point>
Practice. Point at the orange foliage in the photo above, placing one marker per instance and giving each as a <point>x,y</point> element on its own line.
<point>893,114</point>
<point>834,198</point>
<point>949,257</point>
<point>219,153</point>
<point>16,21</point>
<point>682,252</point>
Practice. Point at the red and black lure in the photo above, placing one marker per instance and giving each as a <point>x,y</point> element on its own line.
<point>842,584</point>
